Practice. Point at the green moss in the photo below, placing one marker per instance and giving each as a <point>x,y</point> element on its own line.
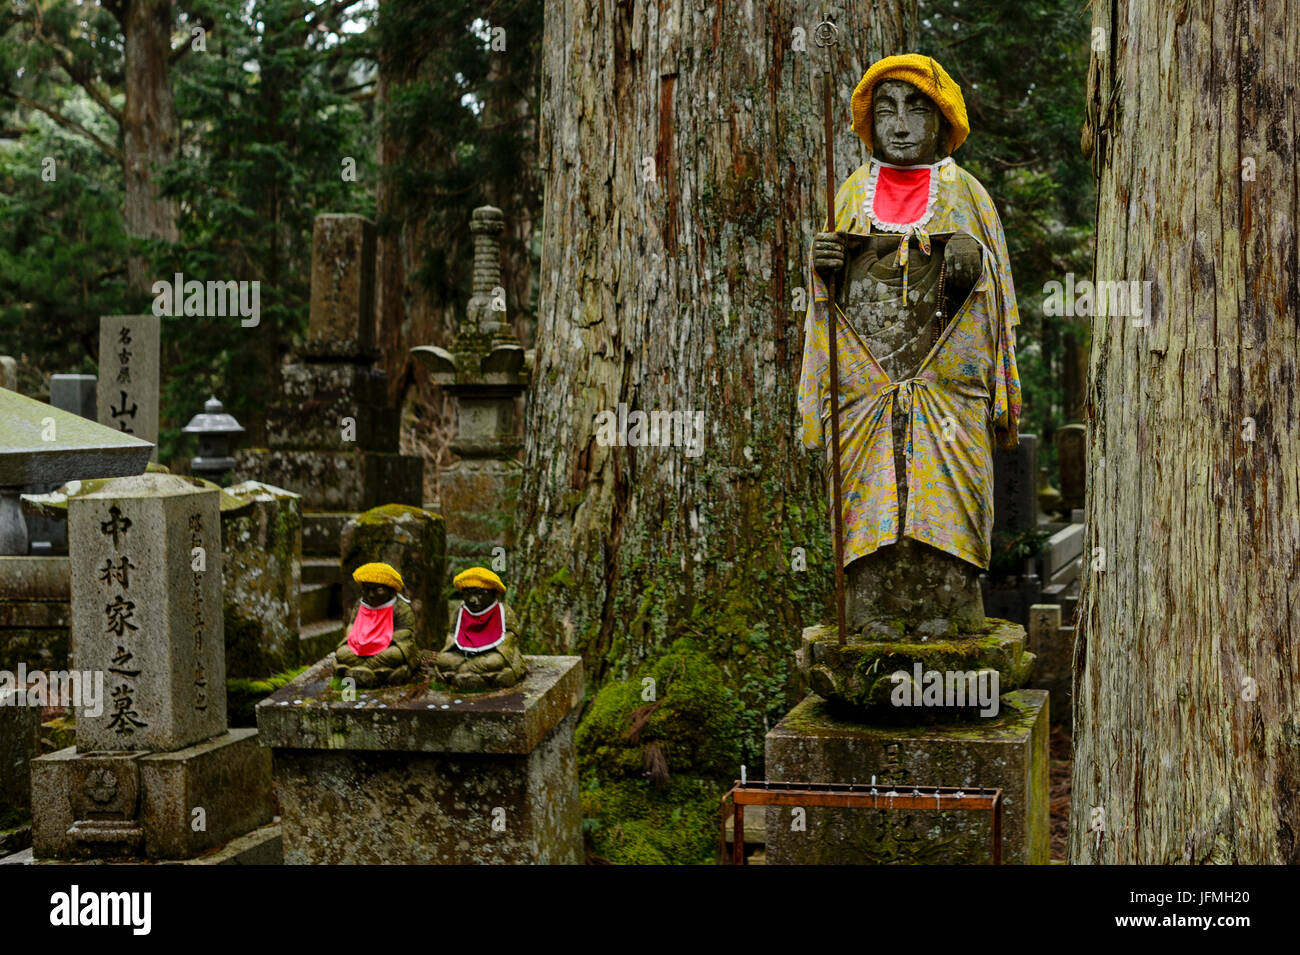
<point>243,695</point>
<point>631,822</point>
<point>391,512</point>
<point>59,733</point>
<point>688,694</point>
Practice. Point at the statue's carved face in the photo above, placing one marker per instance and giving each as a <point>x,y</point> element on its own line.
<point>477,599</point>
<point>376,595</point>
<point>907,127</point>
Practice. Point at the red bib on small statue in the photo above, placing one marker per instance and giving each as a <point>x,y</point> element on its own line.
<point>477,632</point>
<point>372,630</point>
<point>900,198</point>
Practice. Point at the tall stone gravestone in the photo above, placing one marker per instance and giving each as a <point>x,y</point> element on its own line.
<point>146,609</point>
<point>332,436</point>
<point>1072,462</point>
<point>1015,487</point>
<point>8,373</point>
<point>127,394</point>
<point>1015,513</point>
<point>153,757</point>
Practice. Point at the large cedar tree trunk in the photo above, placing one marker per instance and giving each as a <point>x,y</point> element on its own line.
<point>1187,723</point>
<point>684,176</point>
<point>148,125</point>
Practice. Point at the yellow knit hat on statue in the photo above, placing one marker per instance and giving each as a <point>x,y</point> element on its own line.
<point>923,72</point>
<point>378,574</point>
<point>478,577</point>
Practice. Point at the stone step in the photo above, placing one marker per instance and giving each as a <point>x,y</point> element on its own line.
<point>317,640</point>
<point>321,570</point>
<point>317,602</point>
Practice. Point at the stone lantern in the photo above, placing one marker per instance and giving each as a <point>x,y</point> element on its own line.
<point>217,431</point>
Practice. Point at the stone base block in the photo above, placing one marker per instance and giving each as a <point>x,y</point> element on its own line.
<point>336,480</point>
<point>478,502</point>
<point>262,846</point>
<point>173,805</point>
<point>317,399</point>
<point>1009,751</point>
<point>859,677</point>
<point>415,775</point>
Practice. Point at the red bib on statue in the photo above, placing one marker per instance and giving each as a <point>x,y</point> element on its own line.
<point>476,632</point>
<point>902,195</point>
<point>372,630</point>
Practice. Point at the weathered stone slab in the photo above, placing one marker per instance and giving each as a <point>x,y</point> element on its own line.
<point>479,777</point>
<point>97,805</point>
<point>337,406</point>
<point>343,283</point>
<point>403,808</point>
<point>1053,647</point>
<point>35,578</point>
<point>262,574</point>
<point>412,540</point>
<point>20,733</point>
<point>74,394</point>
<point>1008,752</point>
<point>40,444</point>
<point>127,389</point>
<point>478,500</point>
<point>1062,547</point>
<point>8,373</point>
<point>337,480</point>
<point>306,714</point>
<point>146,606</point>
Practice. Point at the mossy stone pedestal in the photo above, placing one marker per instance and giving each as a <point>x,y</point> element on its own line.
<point>857,679</point>
<point>1008,751</point>
<point>417,775</point>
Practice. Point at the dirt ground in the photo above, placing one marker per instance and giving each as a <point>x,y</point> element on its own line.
<point>1062,751</point>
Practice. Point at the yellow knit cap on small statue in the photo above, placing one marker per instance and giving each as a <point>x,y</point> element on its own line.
<point>378,574</point>
<point>478,577</point>
<point>923,72</point>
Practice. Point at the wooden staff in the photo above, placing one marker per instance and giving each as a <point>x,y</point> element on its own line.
<point>827,34</point>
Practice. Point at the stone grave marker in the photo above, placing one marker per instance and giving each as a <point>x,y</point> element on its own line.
<point>1072,462</point>
<point>75,394</point>
<point>1015,487</point>
<point>146,611</point>
<point>127,392</point>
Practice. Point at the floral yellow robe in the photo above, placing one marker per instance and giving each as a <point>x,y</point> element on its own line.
<point>967,388</point>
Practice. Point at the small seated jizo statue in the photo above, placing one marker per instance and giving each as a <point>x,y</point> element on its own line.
<point>482,649</point>
<point>380,647</point>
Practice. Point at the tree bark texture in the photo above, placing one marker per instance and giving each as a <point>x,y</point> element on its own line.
<point>1187,659</point>
<point>684,176</point>
<point>148,126</point>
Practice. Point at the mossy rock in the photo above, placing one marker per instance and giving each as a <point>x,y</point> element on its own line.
<point>243,695</point>
<point>857,679</point>
<point>58,733</point>
<point>680,703</point>
<point>632,822</point>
